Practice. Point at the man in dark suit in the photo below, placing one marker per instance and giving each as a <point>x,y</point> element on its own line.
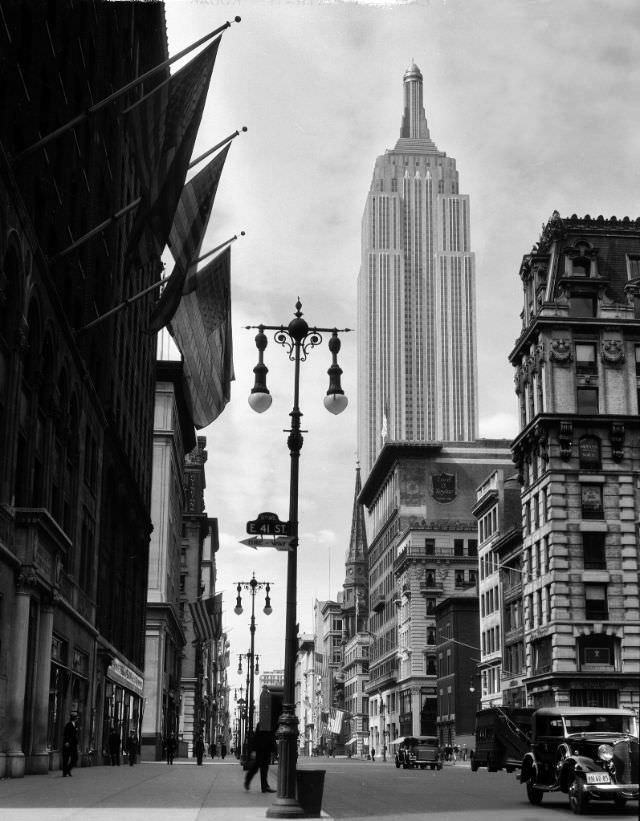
<point>69,745</point>
<point>262,745</point>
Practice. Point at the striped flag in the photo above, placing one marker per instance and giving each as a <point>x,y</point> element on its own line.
<point>186,236</point>
<point>163,128</point>
<point>335,720</point>
<point>201,329</point>
<point>207,617</point>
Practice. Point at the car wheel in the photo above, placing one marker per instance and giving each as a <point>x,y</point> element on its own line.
<point>578,799</point>
<point>423,766</point>
<point>534,795</point>
<point>510,769</point>
<point>405,766</point>
<point>620,802</point>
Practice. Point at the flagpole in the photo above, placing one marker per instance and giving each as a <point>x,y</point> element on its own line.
<point>85,237</point>
<point>122,305</point>
<point>217,248</point>
<point>216,147</point>
<point>145,291</point>
<point>123,90</point>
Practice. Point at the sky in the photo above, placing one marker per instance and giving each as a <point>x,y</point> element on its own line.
<point>537,101</point>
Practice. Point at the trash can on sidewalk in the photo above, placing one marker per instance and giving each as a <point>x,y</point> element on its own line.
<point>310,784</point>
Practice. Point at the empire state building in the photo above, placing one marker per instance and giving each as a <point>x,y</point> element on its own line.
<point>416,295</point>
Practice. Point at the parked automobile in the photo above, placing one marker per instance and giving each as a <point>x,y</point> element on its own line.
<point>418,751</point>
<point>587,753</point>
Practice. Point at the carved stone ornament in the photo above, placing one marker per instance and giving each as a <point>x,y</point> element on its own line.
<point>560,351</point>
<point>612,351</point>
<point>542,442</point>
<point>565,438</point>
<point>26,577</point>
<point>538,355</point>
<point>617,441</point>
<point>518,380</point>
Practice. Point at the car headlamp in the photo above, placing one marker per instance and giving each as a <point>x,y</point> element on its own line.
<point>605,752</point>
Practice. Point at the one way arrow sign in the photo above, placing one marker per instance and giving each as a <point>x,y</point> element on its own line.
<point>279,542</point>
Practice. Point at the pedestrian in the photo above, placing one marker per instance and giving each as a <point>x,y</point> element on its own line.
<point>199,750</point>
<point>69,745</point>
<point>114,746</point>
<point>212,749</point>
<point>171,748</point>
<point>464,752</point>
<point>223,750</point>
<point>262,746</point>
<point>373,754</point>
<point>132,747</point>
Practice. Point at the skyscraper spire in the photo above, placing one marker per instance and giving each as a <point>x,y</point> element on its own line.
<point>414,120</point>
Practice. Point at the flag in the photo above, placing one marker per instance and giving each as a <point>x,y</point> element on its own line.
<point>163,128</point>
<point>207,617</point>
<point>335,720</point>
<point>187,232</point>
<point>201,329</point>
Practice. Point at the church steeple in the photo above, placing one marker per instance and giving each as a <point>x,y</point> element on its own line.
<point>356,579</point>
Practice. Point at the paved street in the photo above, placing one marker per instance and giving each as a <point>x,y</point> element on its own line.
<point>353,789</point>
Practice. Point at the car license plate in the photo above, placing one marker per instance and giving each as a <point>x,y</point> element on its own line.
<point>598,778</point>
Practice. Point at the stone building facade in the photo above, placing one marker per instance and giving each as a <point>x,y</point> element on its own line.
<point>76,407</point>
<point>577,373</point>
<point>423,549</point>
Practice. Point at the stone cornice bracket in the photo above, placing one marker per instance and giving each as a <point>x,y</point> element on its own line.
<point>612,352</point>
<point>542,441</point>
<point>518,459</point>
<point>560,351</point>
<point>617,441</point>
<point>565,438</point>
<point>26,578</point>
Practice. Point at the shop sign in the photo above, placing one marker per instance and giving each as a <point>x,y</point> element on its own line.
<point>125,676</point>
<point>443,487</point>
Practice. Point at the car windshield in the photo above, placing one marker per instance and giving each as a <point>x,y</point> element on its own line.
<point>600,724</point>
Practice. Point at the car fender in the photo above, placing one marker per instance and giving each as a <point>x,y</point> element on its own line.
<point>529,768</point>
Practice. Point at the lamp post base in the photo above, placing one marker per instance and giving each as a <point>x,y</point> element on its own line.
<point>285,808</point>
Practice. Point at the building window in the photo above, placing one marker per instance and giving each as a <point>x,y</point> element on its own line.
<point>587,400</point>
<point>633,266</point>
<point>430,546</point>
<point>589,452</point>
<point>637,360</point>
<point>597,652</point>
<point>593,551</point>
<point>586,358</point>
<point>458,547</point>
<point>541,655</point>
<point>596,606</point>
<point>593,698</point>
<point>460,578</point>
<point>591,501</point>
<point>472,546</point>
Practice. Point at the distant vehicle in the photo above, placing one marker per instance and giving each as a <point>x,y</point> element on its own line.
<point>502,738</point>
<point>588,753</point>
<point>418,751</point>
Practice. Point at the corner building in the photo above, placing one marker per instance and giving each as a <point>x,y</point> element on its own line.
<point>577,364</point>
<point>416,295</point>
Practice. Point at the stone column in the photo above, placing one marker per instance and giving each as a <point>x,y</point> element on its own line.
<point>17,681</point>
<point>40,753</point>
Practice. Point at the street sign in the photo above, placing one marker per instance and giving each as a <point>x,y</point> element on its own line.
<point>268,524</point>
<point>279,542</point>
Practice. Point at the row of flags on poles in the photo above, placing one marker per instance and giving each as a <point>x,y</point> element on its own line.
<point>194,305</point>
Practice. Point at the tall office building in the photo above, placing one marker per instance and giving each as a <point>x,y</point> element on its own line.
<point>416,295</point>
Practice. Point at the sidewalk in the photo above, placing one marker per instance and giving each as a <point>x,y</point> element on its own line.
<point>149,791</point>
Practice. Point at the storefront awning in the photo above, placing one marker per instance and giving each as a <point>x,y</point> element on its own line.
<point>352,740</point>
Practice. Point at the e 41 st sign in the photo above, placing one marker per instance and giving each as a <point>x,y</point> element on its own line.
<point>268,524</point>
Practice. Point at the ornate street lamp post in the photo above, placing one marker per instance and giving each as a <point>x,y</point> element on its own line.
<point>297,339</point>
<point>252,662</point>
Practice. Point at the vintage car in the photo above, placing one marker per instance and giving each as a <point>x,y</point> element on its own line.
<point>418,751</point>
<point>589,753</point>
